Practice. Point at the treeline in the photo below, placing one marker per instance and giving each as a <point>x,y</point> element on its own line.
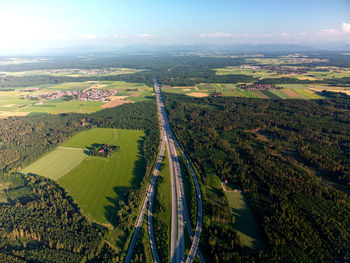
<point>40,223</point>
<point>171,70</point>
<point>25,139</point>
<point>278,152</point>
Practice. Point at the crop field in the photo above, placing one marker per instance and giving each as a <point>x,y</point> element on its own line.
<point>261,73</point>
<point>72,72</point>
<point>60,106</point>
<point>245,223</point>
<point>94,182</point>
<point>97,183</point>
<point>16,103</point>
<point>56,163</point>
<point>287,91</point>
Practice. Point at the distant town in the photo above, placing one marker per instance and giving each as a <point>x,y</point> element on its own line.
<point>258,87</point>
<point>86,95</point>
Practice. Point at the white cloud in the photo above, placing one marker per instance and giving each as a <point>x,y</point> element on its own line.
<point>145,35</point>
<point>284,34</point>
<point>217,34</point>
<point>89,36</point>
<point>345,27</point>
<point>303,34</point>
<point>224,34</point>
<point>118,36</point>
<point>328,31</point>
<point>267,35</point>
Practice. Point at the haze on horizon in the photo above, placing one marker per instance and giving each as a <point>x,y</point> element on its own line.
<point>29,26</point>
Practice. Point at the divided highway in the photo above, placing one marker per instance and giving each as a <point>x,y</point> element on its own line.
<point>179,214</point>
<point>182,211</point>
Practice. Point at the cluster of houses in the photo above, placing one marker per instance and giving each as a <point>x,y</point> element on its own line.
<point>86,95</point>
<point>258,87</point>
<point>286,70</point>
<point>85,71</point>
<point>245,67</point>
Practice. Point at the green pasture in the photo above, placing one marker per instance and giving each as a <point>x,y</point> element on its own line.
<point>245,223</point>
<point>72,72</point>
<point>14,102</point>
<point>288,91</point>
<point>97,183</point>
<point>56,163</point>
<point>60,106</point>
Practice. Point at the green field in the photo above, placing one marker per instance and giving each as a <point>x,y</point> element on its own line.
<point>263,73</point>
<point>287,91</point>
<point>73,72</point>
<point>96,183</point>
<point>15,103</point>
<point>57,163</point>
<point>245,223</point>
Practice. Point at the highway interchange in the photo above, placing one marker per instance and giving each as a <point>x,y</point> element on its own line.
<point>179,213</point>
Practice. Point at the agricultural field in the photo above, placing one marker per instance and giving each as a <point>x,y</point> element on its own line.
<point>72,72</point>
<point>57,163</point>
<point>17,103</point>
<point>264,73</point>
<point>245,223</point>
<point>287,91</point>
<point>96,183</point>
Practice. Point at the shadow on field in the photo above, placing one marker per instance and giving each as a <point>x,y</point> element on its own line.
<point>139,169</point>
<point>119,201</point>
<point>111,211</point>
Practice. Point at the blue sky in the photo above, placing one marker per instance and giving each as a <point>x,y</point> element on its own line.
<point>30,24</point>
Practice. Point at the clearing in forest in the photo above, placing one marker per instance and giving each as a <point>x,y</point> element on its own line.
<point>97,183</point>
<point>245,223</point>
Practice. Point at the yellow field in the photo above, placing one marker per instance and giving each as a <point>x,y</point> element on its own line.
<point>198,94</point>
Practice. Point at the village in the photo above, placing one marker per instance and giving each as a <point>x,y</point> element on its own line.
<point>256,86</point>
<point>85,71</point>
<point>86,95</point>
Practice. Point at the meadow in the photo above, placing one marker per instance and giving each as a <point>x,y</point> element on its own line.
<point>96,183</point>
<point>15,103</point>
<point>287,91</point>
<point>73,72</point>
<point>56,163</point>
<point>245,223</point>
<point>261,73</point>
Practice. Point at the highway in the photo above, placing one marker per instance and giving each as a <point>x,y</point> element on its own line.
<point>149,201</point>
<point>182,210</point>
<point>179,213</point>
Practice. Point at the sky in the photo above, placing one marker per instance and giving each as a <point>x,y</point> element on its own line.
<point>37,25</point>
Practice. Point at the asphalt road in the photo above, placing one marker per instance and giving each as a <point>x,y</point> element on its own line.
<point>183,214</point>
<point>179,211</point>
<point>149,201</point>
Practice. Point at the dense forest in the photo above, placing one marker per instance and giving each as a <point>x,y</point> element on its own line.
<point>288,157</point>
<point>24,139</point>
<point>172,69</point>
<point>31,205</point>
<point>40,223</point>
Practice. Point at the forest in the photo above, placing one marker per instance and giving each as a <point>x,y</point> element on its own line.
<point>172,69</point>
<point>32,205</point>
<point>292,161</point>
